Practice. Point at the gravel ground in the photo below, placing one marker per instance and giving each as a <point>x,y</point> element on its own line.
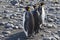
<point>18,34</point>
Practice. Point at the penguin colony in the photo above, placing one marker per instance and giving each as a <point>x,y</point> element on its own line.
<point>32,20</point>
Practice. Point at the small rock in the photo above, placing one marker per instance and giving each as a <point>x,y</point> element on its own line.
<point>0,17</point>
<point>2,36</point>
<point>5,11</point>
<point>6,35</point>
<point>11,17</point>
<point>59,33</point>
<point>13,2</point>
<point>12,25</point>
<point>4,23</point>
<point>49,25</point>
<point>49,38</point>
<point>50,20</point>
<point>15,15</point>
<point>15,21</point>
<point>8,25</point>
<point>5,17</point>
<point>56,36</point>
<point>6,32</point>
<point>47,31</point>
<point>42,35</point>
<point>21,26</point>
<point>56,32</point>
<point>54,26</point>
<point>9,32</point>
<point>1,24</point>
<point>10,22</point>
<point>16,27</point>
<point>9,29</point>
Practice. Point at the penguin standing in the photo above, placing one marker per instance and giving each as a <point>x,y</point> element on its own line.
<point>28,22</point>
<point>42,13</point>
<point>36,20</point>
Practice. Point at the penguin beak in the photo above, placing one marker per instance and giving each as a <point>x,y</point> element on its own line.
<point>28,9</point>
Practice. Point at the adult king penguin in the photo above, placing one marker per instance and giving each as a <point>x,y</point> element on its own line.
<point>36,19</point>
<point>28,22</point>
<point>42,13</point>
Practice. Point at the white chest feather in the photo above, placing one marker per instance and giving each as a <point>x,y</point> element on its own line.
<point>23,19</point>
<point>43,14</point>
<point>26,33</point>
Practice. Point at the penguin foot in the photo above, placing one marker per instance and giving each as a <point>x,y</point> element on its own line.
<point>30,37</point>
<point>36,32</point>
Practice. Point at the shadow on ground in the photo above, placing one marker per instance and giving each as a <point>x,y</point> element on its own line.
<point>17,36</point>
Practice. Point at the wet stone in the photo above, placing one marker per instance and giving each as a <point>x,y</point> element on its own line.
<point>49,25</point>
<point>59,33</point>
<point>49,38</point>
<point>1,24</point>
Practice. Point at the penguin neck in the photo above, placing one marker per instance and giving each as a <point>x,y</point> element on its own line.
<point>43,11</point>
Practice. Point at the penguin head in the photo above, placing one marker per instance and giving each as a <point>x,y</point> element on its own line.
<point>34,6</point>
<point>42,3</point>
<point>27,8</point>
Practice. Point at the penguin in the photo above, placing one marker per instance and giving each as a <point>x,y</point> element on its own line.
<point>42,13</point>
<point>28,22</point>
<point>36,20</point>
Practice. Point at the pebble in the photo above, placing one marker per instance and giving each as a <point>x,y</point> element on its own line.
<point>49,25</point>
<point>6,35</point>
<point>0,17</point>
<point>50,20</point>
<point>58,32</point>
<point>47,31</point>
<point>21,26</point>
<point>12,25</point>
<point>8,25</point>
<point>11,17</point>
<point>10,22</point>
<point>55,26</point>
<point>9,32</point>
<point>5,17</point>
<point>1,24</point>
<point>13,2</point>
<point>49,38</point>
<point>9,29</point>
<point>6,32</point>
<point>16,27</point>
<point>2,36</point>
<point>56,36</point>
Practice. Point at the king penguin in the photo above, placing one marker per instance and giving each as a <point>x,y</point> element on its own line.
<point>36,19</point>
<point>42,13</point>
<point>28,22</point>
